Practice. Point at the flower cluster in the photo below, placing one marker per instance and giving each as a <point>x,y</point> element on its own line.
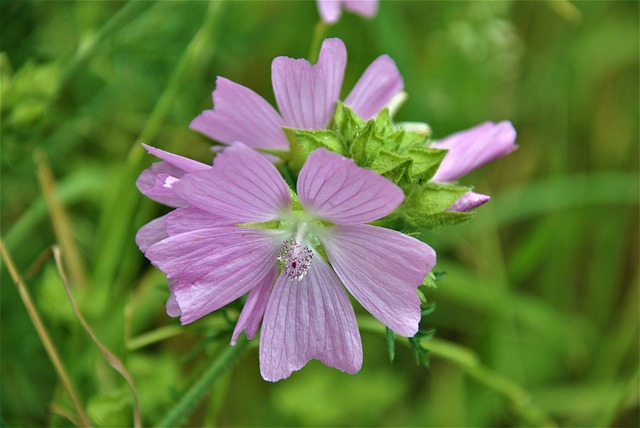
<point>296,248</point>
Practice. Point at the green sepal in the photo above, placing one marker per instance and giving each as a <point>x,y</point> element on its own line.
<point>425,162</point>
<point>346,122</point>
<point>393,167</point>
<point>427,309</point>
<point>302,142</point>
<point>391,344</point>
<point>421,354</point>
<point>425,206</point>
<point>285,155</point>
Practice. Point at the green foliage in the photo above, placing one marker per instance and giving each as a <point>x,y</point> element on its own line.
<point>111,409</point>
<point>541,286</point>
<point>401,156</point>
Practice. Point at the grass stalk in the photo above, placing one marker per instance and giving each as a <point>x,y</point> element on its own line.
<point>114,230</point>
<point>61,223</point>
<point>108,355</point>
<point>49,347</point>
<point>316,41</point>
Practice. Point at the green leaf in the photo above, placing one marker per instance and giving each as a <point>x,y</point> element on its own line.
<point>391,344</point>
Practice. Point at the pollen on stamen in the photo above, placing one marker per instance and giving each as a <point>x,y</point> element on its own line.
<point>295,259</point>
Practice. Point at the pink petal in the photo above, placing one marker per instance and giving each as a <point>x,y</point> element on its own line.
<point>473,148</point>
<point>330,10</point>
<point>367,8</point>
<point>242,186</point>
<point>336,189</point>
<point>253,310</point>
<point>310,318</point>
<point>213,267</point>
<point>307,94</point>
<point>380,82</point>
<point>187,219</point>
<point>156,182</point>
<point>382,269</point>
<point>468,202</point>
<point>150,233</point>
<point>180,162</point>
<point>172,308</point>
<point>239,114</point>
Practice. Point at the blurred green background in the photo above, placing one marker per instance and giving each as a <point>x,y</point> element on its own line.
<point>542,285</point>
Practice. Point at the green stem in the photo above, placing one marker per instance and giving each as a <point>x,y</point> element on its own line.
<point>316,41</point>
<point>467,361</point>
<point>197,392</point>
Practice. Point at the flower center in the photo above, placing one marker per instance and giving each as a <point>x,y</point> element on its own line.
<point>295,259</point>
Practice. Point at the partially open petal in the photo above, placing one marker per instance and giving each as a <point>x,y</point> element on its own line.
<point>213,267</point>
<point>307,94</point>
<point>180,162</point>
<point>310,318</point>
<point>239,114</point>
<point>380,82</point>
<point>336,189</point>
<point>156,182</point>
<point>382,269</point>
<point>330,10</point>
<point>172,308</point>
<point>150,233</point>
<point>187,219</point>
<point>253,310</point>
<point>468,202</point>
<point>366,8</point>
<point>242,186</point>
<point>473,148</point>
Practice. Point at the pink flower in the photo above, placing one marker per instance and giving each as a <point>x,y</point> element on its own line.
<point>330,10</point>
<point>243,233</point>
<point>469,150</point>
<point>306,96</point>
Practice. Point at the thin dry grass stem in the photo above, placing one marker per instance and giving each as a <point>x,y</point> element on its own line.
<point>62,412</point>
<point>49,347</point>
<point>108,355</point>
<point>61,223</point>
<point>37,265</point>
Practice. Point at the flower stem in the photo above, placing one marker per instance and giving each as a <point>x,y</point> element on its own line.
<point>316,41</point>
<point>197,392</point>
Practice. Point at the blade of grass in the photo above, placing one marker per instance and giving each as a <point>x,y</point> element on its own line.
<point>50,348</point>
<point>108,355</point>
<point>616,402</point>
<point>61,223</point>
<point>90,47</point>
<point>73,188</point>
<point>118,214</point>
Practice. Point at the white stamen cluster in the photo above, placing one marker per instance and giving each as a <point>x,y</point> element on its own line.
<point>295,259</point>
